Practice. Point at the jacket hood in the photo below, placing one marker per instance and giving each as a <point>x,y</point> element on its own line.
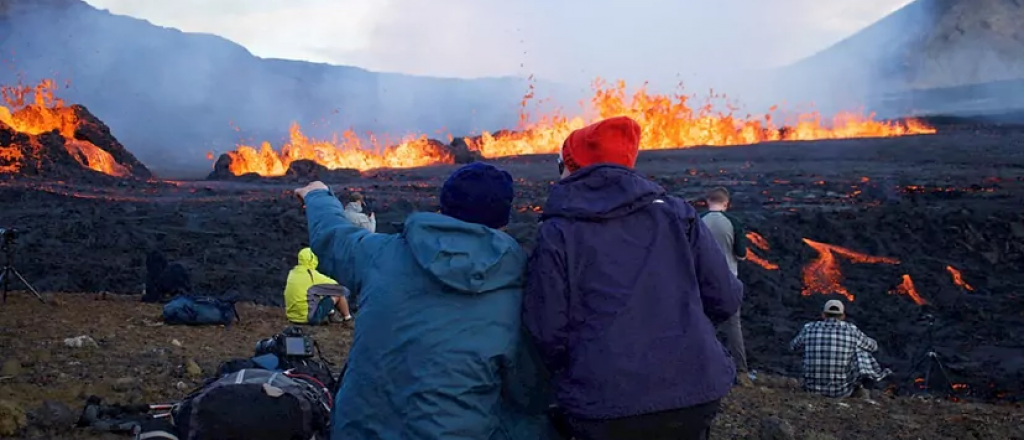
<point>354,207</point>
<point>307,259</point>
<point>601,192</point>
<point>468,257</point>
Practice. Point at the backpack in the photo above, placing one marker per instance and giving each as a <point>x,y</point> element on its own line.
<point>317,369</point>
<point>256,404</point>
<point>192,310</point>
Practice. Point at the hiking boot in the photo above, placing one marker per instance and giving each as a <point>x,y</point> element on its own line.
<point>861,393</point>
<point>743,380</point>
<point>336,318</point>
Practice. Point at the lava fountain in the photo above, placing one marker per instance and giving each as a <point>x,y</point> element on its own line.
<point>668,121</point>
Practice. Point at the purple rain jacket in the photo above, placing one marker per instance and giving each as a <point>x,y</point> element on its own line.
<point>624,291</point>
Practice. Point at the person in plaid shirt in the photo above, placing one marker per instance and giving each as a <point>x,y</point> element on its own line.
<point>837,355</point>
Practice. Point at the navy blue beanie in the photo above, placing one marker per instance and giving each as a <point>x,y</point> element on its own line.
<point>478,193</point>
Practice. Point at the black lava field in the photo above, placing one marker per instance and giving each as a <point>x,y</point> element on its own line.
<point>937,204</point>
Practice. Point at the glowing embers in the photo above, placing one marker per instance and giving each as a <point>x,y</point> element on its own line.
<point>42,113</point>
<point>823,275</point>
<point>758,241</point>
<point>906,287</point>
<point>958,278</point>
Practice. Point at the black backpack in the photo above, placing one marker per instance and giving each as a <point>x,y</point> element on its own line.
<point>256,404</point>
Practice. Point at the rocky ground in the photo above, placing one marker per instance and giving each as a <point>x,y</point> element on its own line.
<point>933,203</point>
<point>135,359</point>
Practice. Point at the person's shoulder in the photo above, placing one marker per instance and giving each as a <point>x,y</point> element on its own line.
<point>849,326</point>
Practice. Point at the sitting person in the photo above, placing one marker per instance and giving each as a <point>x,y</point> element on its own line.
<point>439,352</point>
<point>354,213</point>
<point>312,298</point>
<point>837,355</point>
<point>164,280</point>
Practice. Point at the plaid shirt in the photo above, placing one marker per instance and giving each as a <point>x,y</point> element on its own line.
<point>835,357</point>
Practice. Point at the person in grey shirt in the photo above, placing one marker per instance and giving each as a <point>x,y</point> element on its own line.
<point>729,234</point>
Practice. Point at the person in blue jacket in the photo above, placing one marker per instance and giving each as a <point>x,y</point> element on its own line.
<point>624,290</point>
<point>439,351</point>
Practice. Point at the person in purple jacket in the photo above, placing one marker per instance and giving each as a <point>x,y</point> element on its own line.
<point>624,290</point>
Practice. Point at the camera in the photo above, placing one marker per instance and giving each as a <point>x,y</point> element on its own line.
<point>7,237</point>
<point>290,343</point>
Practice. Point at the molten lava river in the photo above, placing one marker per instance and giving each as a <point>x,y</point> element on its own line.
<point>669,121</point>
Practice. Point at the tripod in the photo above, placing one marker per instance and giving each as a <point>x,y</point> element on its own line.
<point>929,361</point>
<point>9,271</point>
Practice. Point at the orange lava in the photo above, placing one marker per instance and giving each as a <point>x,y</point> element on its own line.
<point>668,121</point>
<point>44,113</point>
<point>823,276</point>
<point>765,264</point>
<point>958,278</point>
<point>758,241</point>
<point>906,287</point>
<point>346,151</point>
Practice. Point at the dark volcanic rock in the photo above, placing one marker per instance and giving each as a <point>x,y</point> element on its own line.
<point>91,129</point>
<point>222,168</point>
<point>298,171</point>
<point>461,153</point>
<point>305,170</point>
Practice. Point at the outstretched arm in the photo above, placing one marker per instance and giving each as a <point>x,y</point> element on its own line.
<point>546,298</point>
<point>343,248</point>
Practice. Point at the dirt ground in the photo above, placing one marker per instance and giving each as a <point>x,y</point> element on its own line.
<point>136,360</point>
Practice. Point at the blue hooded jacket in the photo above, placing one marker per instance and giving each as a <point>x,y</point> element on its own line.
<point>439,351</point>
<point>624,290</point>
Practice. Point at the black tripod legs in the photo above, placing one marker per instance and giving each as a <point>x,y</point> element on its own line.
<point>931,363</point>
<point>5,281</point>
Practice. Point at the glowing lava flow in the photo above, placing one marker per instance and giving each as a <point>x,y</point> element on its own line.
<point>758,241</point>
<point>906,287</point>
<point>45,113</point>
<point>958,278</point>
<point>346,151</point>
<point>668,121</point>
<point>823,275</point>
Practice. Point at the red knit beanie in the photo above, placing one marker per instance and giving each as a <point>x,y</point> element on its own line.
<point>613,141</point>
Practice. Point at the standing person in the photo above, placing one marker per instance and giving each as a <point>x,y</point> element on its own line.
<point>837,355</point>
<point>731,239</point>
<point>311,297</point>
<point>438,351</point>
<point>354,213</point>
<point>624,290</point>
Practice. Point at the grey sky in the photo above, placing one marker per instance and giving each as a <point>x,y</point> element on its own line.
<point>562,40</point>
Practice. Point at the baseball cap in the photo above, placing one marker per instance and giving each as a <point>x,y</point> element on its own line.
<point>834,307</point>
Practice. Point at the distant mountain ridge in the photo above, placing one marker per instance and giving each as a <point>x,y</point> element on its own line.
<point>928,44</point>
<point>171,96</point>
